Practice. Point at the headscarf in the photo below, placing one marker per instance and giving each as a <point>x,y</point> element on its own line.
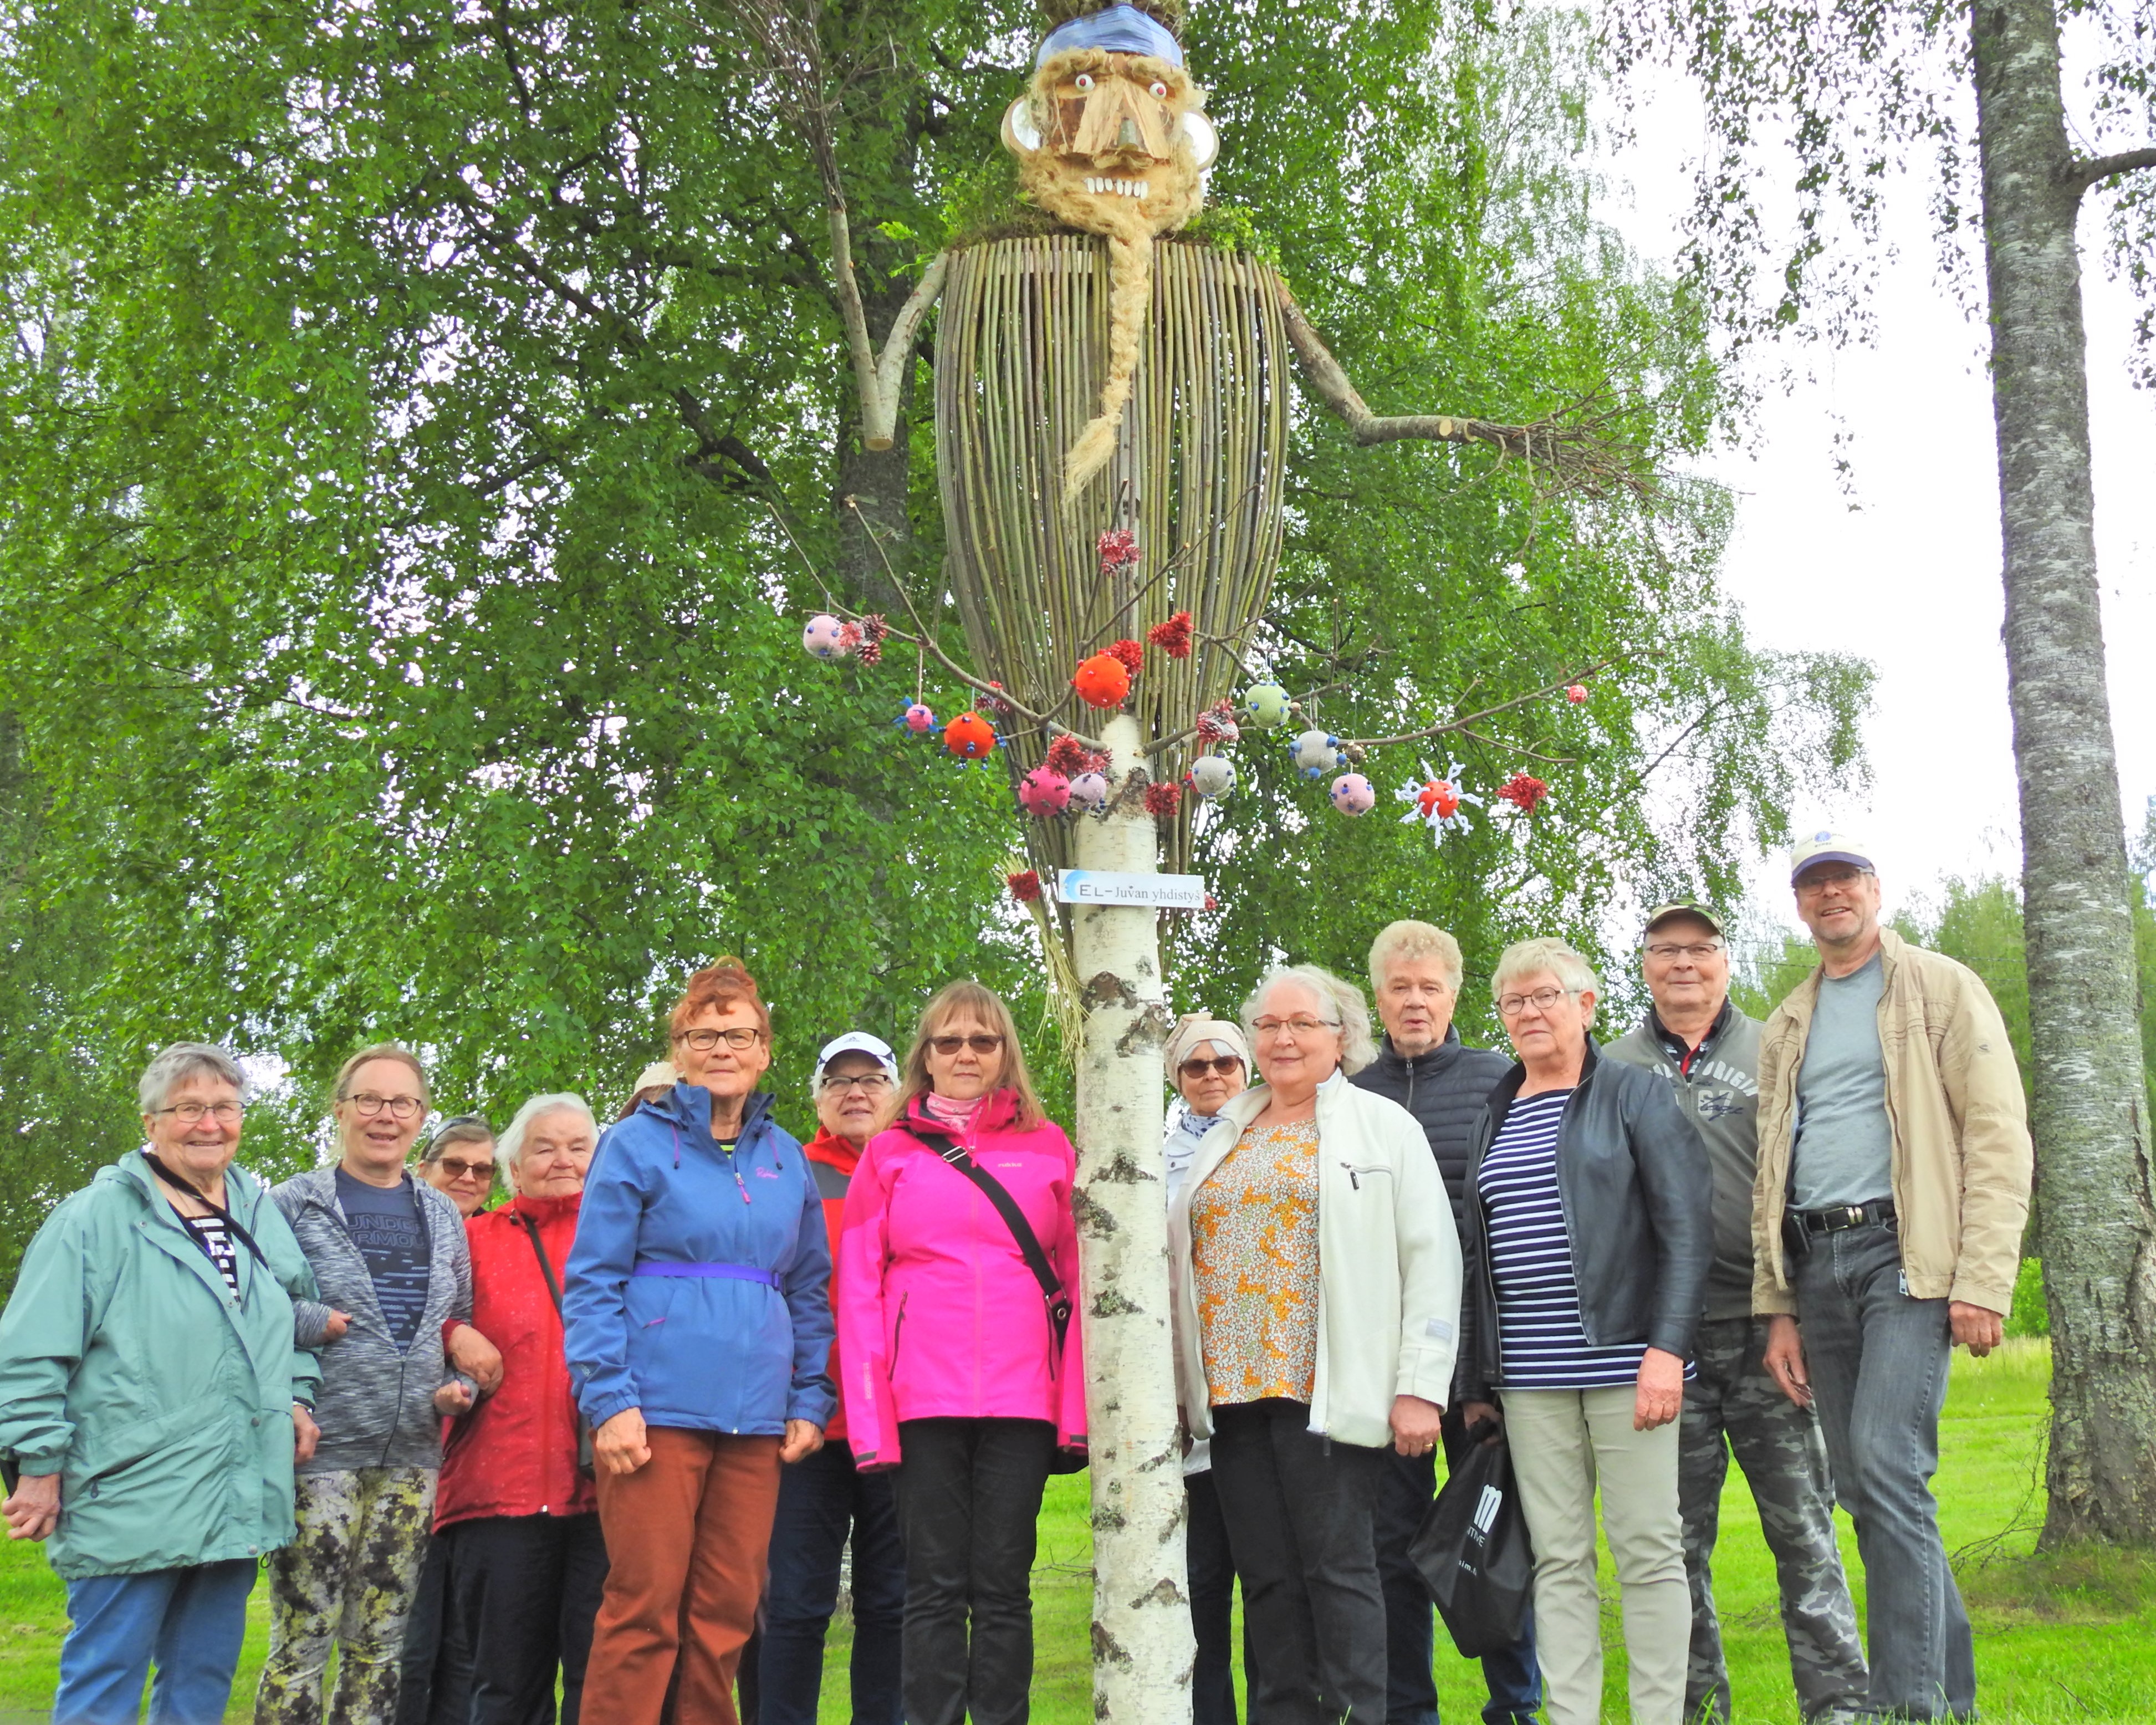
<point>1195,1028</point>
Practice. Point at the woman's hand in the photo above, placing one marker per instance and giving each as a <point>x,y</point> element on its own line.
<point>34,1509</point>
<point>305,1434</point>
<point>1784,1358</point>
<point>452,1398</point>
<point>1416,1424</point>
<point>335,1325</point>
<point>803,1437</point>
<point>477,1358</point>
<point>1473,1414</point>
<point>1661,1390</point>
<point>619,1447</point>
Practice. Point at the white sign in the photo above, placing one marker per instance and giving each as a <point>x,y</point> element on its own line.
<point>1162,892</point>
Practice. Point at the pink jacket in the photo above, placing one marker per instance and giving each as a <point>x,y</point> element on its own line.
<point>938,1316</point>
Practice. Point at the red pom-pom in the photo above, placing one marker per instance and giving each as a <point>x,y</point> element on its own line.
<point>1118,548</point>
<point>1129,654</point>
<point>1216,723</point>
<point>996,705</point>
<point>969,736</point>
<point>1576,693</point>
<point>1103,681</point>
<point>1024,887</point>
<point>1069,757</point>
<point>1161,799</point>
<point>1523,791</point>
<point>1172,637</point>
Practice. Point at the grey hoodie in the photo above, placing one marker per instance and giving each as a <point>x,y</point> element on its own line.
<point>376,1405</point>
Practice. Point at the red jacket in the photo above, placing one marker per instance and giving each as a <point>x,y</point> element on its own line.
<point>515,1453</point>
<point>832,1161</point>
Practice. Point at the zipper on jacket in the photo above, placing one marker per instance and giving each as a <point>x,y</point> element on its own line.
<point>1366,1168</point>
<point>898,1335</point>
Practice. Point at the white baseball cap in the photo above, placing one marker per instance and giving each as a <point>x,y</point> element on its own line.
<point>854,1042</point>
<point>1828,845</point>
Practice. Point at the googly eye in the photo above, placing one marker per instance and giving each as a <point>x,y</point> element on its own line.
<point>1159,90</point>
<point>1084,80</point>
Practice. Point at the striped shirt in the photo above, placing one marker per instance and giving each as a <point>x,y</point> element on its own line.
<point>1544,1346</point>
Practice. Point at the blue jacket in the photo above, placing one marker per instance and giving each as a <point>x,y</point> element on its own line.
<point>699,1352</point>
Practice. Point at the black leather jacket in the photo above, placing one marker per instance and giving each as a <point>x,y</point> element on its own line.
<point>1638,1196</point>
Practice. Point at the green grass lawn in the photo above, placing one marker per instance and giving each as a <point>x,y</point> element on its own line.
<point>2067,1638</point>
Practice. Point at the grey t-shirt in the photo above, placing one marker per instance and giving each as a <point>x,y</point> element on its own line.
<point>1845,1148</point>
<point>391,1235</point>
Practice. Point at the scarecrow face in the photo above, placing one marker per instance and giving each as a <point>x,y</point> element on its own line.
<point>1112,142</point>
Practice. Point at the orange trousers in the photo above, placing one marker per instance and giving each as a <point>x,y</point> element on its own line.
<point>686,1537</point>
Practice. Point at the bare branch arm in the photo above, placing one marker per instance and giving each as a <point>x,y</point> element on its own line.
<point>2094,171</point>
<point>1466,722</point>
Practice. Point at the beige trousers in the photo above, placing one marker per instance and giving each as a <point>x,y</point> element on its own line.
<point>1563,1442</point>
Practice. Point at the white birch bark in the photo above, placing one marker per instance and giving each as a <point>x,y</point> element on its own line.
<point>1143,1650</point>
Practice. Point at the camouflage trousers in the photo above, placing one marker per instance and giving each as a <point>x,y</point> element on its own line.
<point>345,1581</point>
<point>1734,1404</point>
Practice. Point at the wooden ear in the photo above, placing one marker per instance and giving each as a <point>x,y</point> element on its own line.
<point>1204,142</point>
<point>1021,137</point>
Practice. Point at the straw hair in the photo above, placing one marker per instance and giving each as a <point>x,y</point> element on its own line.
<point>968,999</point>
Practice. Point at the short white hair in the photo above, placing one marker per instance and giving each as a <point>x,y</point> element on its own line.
<point>1349,1009</point>
<point>175,1065</point>
<point>1546,955</point>
<point>509,1148</point>
<point>1397,942</point>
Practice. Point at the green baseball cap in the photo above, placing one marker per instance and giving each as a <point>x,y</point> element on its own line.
<point>1662,914</point>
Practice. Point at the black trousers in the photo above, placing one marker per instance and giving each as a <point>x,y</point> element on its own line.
<point>1213,1609</point>
<point>435,1686</point>
<point>524,1590</point>
<point>1298,1509</point>
<point>968,1504</point>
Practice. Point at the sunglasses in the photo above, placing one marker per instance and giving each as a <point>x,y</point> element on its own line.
<point>1226,1065</point>
<point>458,1169</point>
<point>980,1042</point>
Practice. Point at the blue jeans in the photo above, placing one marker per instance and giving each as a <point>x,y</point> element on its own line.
<point>821,1499</point>
<point>1878,1361</point>
<point>188,1623</point>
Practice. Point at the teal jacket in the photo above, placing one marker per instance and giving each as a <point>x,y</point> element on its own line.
<point>127,1366</point>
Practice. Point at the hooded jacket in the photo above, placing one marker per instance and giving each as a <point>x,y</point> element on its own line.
<point>1388,1261</point>
<point>514,1454</point>
<point>1638,1210</point>
<point>163,1400</point>
<point>699,1352</point>
<point>1444,1089</point>
<point>377,1408</point>
<point>938,1316</point>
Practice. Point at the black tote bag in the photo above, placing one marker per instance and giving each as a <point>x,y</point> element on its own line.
<point>1473,1552</point>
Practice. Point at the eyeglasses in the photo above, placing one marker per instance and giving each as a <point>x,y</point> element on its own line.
<point>1825,878</point>
<point>192,1113</point>
<point>1297,1028</point>
<point>1511,1006</point>
<point>867,1082</point>
<point>734,1036</point>
<point>1696,950</point>
<point>981,1042</point>
<point>1226,1065</point>
<point>367,1105</point>
<point>458,1169</point>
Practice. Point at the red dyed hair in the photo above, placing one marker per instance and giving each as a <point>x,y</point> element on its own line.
<point>722,984</point>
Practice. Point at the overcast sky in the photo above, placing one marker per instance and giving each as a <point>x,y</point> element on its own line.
<point>1900,562</point>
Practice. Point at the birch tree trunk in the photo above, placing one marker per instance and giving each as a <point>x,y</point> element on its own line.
<point>1143,1650</point>
<point>2091,1126</point>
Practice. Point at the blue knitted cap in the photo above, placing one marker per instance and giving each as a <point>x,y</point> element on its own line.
<point>1117,29</point>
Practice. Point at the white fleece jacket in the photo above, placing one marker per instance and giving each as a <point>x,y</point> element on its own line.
<point>1387,1265</point>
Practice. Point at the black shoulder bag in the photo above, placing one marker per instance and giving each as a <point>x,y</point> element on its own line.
<point>587,1461</point>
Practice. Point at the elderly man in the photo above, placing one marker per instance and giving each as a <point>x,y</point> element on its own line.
<point>1424,1066</point>
<point>1893,1188</point>
<point>1709,1052</point>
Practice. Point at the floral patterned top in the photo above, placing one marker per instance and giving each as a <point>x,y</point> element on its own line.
<point>1254,1256</point>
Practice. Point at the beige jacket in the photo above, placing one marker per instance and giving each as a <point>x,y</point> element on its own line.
<point>1962,1158</point>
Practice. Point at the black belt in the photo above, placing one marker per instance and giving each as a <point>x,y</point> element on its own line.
<point>1835,1217</point>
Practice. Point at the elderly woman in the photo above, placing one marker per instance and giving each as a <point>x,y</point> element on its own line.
<point>388,1253</point>
<point>1316,1285</point>
<point>699,1320</point>
<point>963,1370</point>
<point>1589,1230</point>
<point>458,1161</point>
<point>151,1393</point>
<point>1209,1065</point>
<point>516,1509</point>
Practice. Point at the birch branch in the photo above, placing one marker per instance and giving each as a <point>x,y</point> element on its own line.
<point>1467,721</point>
<point>2093,171</point>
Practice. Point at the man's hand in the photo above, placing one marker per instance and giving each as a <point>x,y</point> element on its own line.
<point>477,1358</point>
<point>34,1509</point>
<point>1975,1328</point>
<point>335,1325</point>
<point>1784,1358</point>
<point>1661,1390</point>
<point>803,1437</point>
<point>305,1434</point>
<point>619,1447</point>
<point>1473,1413</point>
<point>1416,1424</point>
<point>452,1398</point>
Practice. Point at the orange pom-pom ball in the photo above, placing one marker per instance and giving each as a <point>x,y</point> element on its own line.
<point>969,736</point>
<point>1103,681</point>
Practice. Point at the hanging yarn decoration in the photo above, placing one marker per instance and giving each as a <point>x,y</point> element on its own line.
<point>1161,799</point>
<point>917,718</point>
<point>1118,548</point>
<point>1103,681</point>
<point>1266,704</point>
<point>1212,776</point>
<point>996,705</point>
<point>1437,802</point>
<point>969,736</point>
<point>1043,792</point>
<point>1316,754</point>
<point>1352,794</point>
<point>1217,724</point>
<point>1069,756</point>
<point>873,629</point>
<point>1130,654</point>
<point>1172,637</point>
<point>1523,791</point>
<point>1024,885</point>
<point>824,637</point>
<point>1575,693</point>
<point>1089,791</point>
